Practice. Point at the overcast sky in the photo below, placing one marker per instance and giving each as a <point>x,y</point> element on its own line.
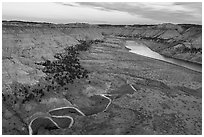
<point>105,12</point>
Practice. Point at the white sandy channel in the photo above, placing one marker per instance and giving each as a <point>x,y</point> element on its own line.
<point>72,120</point>
<point>29,126</point>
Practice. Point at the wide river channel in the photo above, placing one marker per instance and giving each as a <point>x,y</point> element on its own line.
<point>142,49</point>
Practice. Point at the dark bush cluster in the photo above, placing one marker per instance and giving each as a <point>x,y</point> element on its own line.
<point>22,93</point>
<point>192,50</point>
<point>67,67</point>
<point>60,72</point>
<point>184,49</point>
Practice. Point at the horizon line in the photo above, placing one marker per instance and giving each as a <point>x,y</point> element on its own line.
<point>45,22</point>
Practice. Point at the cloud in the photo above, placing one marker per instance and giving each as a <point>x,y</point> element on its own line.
<point>73,4</point>
<point>110,12</point>
<point>182,12</point>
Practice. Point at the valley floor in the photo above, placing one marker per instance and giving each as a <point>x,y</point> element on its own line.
<point>166,99</point>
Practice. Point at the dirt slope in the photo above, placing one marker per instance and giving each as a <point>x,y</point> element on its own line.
<point>166,99</point>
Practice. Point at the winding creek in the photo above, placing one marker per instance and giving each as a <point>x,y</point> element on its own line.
<point>40,121</point>
<point>63,117</point>
<point>65,110</point>
<point>105,96</point>
<point>141,49</point>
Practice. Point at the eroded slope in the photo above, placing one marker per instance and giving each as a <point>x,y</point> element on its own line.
<point>148,96</point>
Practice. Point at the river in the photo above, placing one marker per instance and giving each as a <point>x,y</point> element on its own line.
<point>141,49</point>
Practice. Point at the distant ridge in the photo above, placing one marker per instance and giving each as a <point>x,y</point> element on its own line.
<point>101,25</point>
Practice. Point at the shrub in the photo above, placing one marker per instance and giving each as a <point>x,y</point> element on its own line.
<point>22,93</point>
<point>60,72</point>
<point>67,67</point>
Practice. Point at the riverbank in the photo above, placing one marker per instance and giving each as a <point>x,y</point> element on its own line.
<point>158,47</point>
<point>189,57</point>
<point>166,99</point>
<point>138,47</point>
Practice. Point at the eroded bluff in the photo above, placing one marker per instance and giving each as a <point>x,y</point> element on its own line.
<point>97,87</point>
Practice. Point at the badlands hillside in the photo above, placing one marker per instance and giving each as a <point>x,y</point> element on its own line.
<point>81,79</point>
<point>182,41</point>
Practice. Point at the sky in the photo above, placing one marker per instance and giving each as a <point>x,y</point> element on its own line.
<point>105,12</point>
